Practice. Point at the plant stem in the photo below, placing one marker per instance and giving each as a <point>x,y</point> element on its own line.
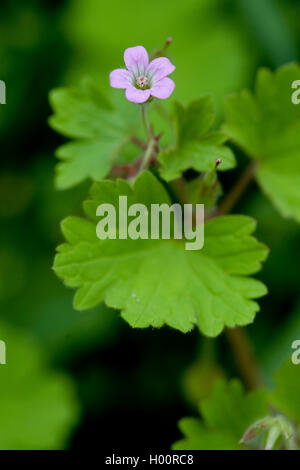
<point>152,142</point>
<point>244,356</point>
<point>145,121</point>
<point>138,142</point>
<point>237,190</point>
<point>237,337</point>
<point>147,155</point>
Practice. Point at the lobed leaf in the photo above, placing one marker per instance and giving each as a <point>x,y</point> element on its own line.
<point>226,414</point>
<point>197,146</point>
<point>285,396</point>
<point>99,132</point>
<point>157,282</point>
<point>266,125</point>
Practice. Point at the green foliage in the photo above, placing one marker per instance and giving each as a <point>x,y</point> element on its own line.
<point>100,131</point>
<point>275,352</point>
<point>156,282</point>
<point>38,407</point>
<point>226,414</point>
<point>266,125</point>
<point>197,146</point>
<point>231,418</point>
<point>285,396</point>
<point>217,45</point>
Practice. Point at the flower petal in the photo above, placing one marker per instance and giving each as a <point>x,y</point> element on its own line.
<point>119,78</point>
<point>135,95</point>
<point>136,59</point>
<point>159,68</point>
<point>163,88</point>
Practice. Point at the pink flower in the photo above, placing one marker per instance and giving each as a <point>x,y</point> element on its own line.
<point>142,79</point>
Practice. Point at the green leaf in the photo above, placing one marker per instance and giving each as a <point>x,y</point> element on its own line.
<point>266,125</point>
<point>156,282</point>
<point>38,407</point>
<point>98,129</point>
<point>285,396</point>
<point>226,415</point>
<point>275,352</point>
<point>197,146</point>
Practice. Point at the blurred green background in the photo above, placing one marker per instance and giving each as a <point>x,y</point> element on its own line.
<point>84,379</point>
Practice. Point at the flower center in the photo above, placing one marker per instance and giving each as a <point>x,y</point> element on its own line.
<point>142,82</point>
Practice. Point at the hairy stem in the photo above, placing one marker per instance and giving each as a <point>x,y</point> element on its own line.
<point>244,356</point>
<point>148,155</point>
<point>145,120</point>
<point>238,189</point>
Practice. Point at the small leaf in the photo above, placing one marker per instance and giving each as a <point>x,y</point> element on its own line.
<point>285,396</point>
<point>197,146</point>
<point>226,415</point>
<point>266,125</point>
<point>100,131</point>
<point>157,282</point>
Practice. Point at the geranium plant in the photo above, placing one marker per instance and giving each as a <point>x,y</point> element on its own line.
<point>119,145</point>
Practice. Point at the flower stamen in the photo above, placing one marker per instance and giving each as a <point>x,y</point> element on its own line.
<point>142,82</point>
